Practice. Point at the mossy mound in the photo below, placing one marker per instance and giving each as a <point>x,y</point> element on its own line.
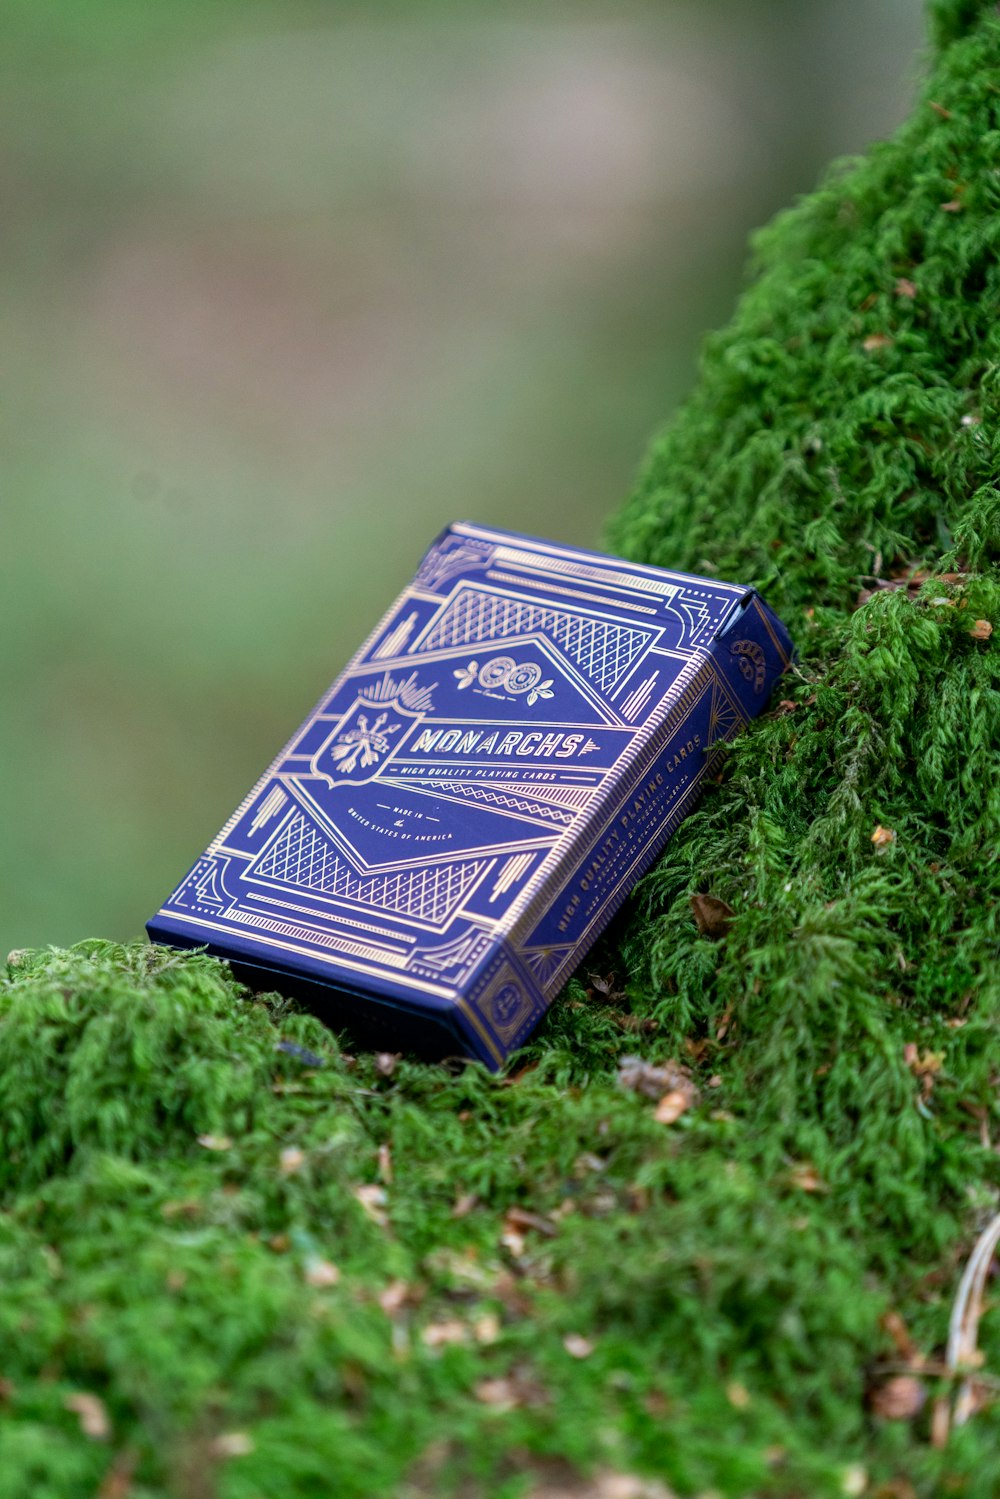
<point>238,1262</point>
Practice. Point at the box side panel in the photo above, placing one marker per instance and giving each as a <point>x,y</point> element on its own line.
<point>752,649</point>
<point>501,1008</point>
<point>731,685</point>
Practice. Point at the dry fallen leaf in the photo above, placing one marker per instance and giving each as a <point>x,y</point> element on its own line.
<point>439,1334</point>
<point>232,1444</point>
<point>577,1346</point>
<point>487,1328</point>
<point>385,1062</point>
<point>321,1273</point>
<point>654,1080</point>
<point>905,287</point>
<point>671,1106</point>
<point>712,915</point>
<point>642,1025</point>
<point>924,1065</point>
<point>899,1399</point>
<point>92,1414</point>
<point>513,1241</point>
<point>981,629</point>
<point>464,1204</point>
<point>215,1142</point>
<point>385,1164</point>
<point>497,1392</point>
<point>117,1481</point>
<point>604,1485</point>
<point>895,1488</point>
<point>522,1220</point>
<point>882,837</point>
<point>394,1297</point>
<point>508,1391</point>
<point>805,1178</point>
<point>373,1199</point>
<point>738,1395</point>
<point>291,1160</point>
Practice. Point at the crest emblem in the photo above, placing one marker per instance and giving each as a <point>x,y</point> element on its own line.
<point>751,661</point>
<point>375,724</point>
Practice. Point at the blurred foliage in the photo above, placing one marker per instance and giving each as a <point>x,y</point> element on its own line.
<point>283,289</point>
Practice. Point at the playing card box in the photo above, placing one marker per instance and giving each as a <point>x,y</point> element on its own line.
<point>437,846</point>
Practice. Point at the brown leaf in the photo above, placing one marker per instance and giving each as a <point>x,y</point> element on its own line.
<point>464,1204</point>
<point>652,1080</point>
<point>952,206</point>
<point>523,1221</point>
<point>395,1296</point>
<point>895,1488</point>
<point>882,837</point>
<point>805,1178</point>
<point>905,287</point>
<point>321,1273</point>
<point>712,915</point>
<point>643,1025</point>
<point>373,1199</point>
<point>385,1164</point>
<point>924,1065</point>
<point>500,1393</point>
<point>232,1444</point>
<point>577,1346</point>
<point>215,1142</point>
<point>486,1328</point>
<point>876,341</point>
<point>509,1391</point>
<point>899,1399</point>
<point>738,1395</point>
<point>92,1415</point>
<point>440,1334</point>
<point>385,1062</point>
<point>291,1160</point>
<point>117,1481</point>
<point>671,1106</point>
<point>939,109</point>
<point>981,629</point>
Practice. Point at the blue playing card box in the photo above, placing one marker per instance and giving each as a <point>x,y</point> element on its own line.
<point>440,842</point>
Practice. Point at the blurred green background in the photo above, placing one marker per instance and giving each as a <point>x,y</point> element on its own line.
<point>284,287</point>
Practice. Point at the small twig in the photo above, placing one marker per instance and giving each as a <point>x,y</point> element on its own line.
<point>963,1329</point>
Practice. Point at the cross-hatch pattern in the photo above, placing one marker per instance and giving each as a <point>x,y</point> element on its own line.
<point>604,652</point>
<point>302,856</point>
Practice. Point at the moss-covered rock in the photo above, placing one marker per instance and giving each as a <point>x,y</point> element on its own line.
<point>239,1262</point>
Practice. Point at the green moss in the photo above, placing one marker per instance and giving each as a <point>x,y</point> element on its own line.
<point>731,1272</point>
